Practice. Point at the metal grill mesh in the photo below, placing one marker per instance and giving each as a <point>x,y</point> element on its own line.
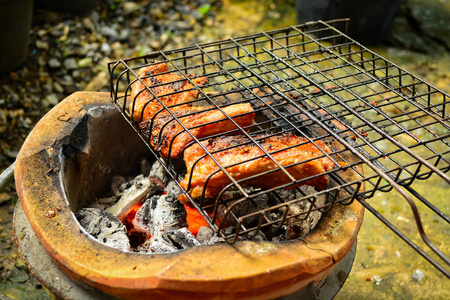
<point>317,83</point>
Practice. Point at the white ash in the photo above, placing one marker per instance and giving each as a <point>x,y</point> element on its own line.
<point>170,241</point>
<point>156,245</point>
<point>104,227</point>
<point>157,171</point>
<point>299,226</point>
<point>172,188</point>
<point>205,235</point>
<point>160,213</point>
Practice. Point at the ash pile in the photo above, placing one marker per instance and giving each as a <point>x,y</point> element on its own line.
<point>144,215</point>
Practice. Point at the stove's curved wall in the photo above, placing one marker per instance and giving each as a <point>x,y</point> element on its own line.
<point>100,147</point>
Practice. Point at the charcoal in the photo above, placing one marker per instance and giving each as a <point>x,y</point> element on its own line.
<point>295,227</point>
<point>300,226</point>
<point>216,239</point>
<point>157,245</point>
<point>132,193</point>
<point>157,171</point>
<point>285,196</point>
<point>204,234</point>
<point>243,208</point>
<point>181,238</point>
<point>280,235</point>
<point>104,227</point>
<point>160,213</point>
<point>172,188</point>
<point>228,231</point>
<point>259,237</point>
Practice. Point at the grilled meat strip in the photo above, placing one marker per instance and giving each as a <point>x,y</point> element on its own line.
<point>239,160</point>
<point>144,105</point>
<point>200,121</point>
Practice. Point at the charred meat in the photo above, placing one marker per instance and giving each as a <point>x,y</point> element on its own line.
<point>169,138</point>
<point>170,88</point>
<point>243,159</point>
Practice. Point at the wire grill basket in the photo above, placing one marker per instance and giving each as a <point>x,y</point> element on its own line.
<point>315,82</point>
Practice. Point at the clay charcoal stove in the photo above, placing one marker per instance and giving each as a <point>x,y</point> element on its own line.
<point>304,108</point>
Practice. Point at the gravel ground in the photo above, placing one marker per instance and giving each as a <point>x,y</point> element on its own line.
<point>69,53</point>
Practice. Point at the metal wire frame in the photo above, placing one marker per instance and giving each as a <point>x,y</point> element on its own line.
<point>316,82</point>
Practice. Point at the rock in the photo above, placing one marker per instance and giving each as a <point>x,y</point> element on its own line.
<point>52,99</point>
<point>42,32</point>
<point>98,82</point>
<point>42,61</point>
<point>5,197</point>
<point>179,25</point>
<point>130,7</point>
<point>124,34</point>
<point>433,17</point>
<point>76,74</point>
<point>54,63</point>
<point>85,62</point>
<point>109,32</point>
<point>156,45</point>
<point>118,49</point>
<point>70,63</point>
<point>18,276</point>
<point>418,275</point>
<point>14,97</point>
<point>106,49</point>
<point>41,44</point>
<point>422,25</point>
<point>3,119</point>
<point>88,23</point>
<point>95,17</point>
<point>66,80</point>
<point>57,87</point>
<point>164,38</point>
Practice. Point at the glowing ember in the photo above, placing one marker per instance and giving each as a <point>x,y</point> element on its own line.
<point>136,238</point>
<point>194,219</point>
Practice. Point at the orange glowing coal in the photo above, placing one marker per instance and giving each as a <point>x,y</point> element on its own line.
<point>194,220</point>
